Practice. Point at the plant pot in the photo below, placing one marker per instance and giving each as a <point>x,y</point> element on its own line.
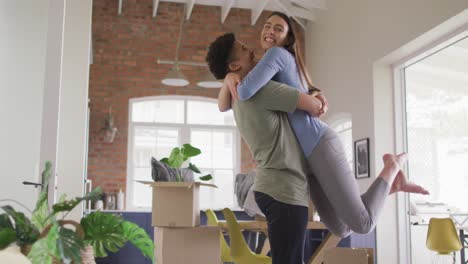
<point>110,135</point>
<point>25,249</point>
<point>87,255</point>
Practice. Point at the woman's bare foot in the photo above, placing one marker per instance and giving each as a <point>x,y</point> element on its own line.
<point>401,184</point>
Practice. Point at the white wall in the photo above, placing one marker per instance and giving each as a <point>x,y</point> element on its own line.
<point>23,33</point>
<point>343,47</point>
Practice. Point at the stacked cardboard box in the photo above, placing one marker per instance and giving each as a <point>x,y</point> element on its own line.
<point>178,236</point>
<point>340,255</point>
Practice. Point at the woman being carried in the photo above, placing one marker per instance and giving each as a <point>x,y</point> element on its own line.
<point>333,188</point>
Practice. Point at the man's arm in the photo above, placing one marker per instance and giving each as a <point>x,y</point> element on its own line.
<point>224,99</point>
<point>281,97</point>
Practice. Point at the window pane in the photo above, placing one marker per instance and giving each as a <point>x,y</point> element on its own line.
<point>207,113</point>
<point>223,150</point>
<point>217,148</point>
<point>142,174</point>
<point>203,140</point>
<point>162,111</point>
<point>437,127</point>
<point>142,195</point>
<point>221,197</point>
<point>219,152</point>
<point>153,142</point>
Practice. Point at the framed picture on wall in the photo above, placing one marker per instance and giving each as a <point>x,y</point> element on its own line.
<point>361,158</point>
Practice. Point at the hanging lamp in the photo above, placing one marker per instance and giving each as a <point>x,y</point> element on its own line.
<point>175,77</point>
<point>209,81</point>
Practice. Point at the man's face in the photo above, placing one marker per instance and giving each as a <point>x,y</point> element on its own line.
<point>243,58</point>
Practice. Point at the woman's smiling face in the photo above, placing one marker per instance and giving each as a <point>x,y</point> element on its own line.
<point>274,33</point>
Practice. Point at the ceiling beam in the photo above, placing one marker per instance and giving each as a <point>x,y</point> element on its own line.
<point>311,4</point>
<point>190,4</point>
<point>155,7</point>
<point>225,8</point>
<point>258,9</point>
<point>287,8</point>
<point>120,7</point>
<point>303,13</point>
<point>296,11</point>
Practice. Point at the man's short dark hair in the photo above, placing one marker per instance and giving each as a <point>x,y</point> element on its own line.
<point>219,55</point>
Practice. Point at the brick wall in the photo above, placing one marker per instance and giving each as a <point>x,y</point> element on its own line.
<point>125,50</point>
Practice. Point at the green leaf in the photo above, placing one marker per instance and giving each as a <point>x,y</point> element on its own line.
<point>40,216</point>
<point>206,177</point>
<point>176,158</point>
<point>45,249</point>
<point>165,160</point>
<point>70,244</point>
<point>103,232</point>
<point>66,206</point>
<point>138,237</point>
<point>7,231</point>
<point>190,151</point>
<point>93,196</point>
<point>7,236</point>
<point>46,175</point>
<point>26,232</point>
<point>5,221</point>
<point>193,168</point>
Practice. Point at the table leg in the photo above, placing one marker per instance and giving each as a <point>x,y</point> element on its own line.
<point>266,247</point>
<point>464,245</point>
<point>330,241</point>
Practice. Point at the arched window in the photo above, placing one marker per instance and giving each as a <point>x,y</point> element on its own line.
<point>158,124</point>
<point>343,125</point>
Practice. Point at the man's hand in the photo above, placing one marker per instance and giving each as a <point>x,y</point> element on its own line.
<point>231,81</point>
<point>324,101</point>
<point>309,103</point>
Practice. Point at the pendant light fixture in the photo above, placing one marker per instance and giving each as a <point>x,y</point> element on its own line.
<point>209,81</point>
<point>175,77</point>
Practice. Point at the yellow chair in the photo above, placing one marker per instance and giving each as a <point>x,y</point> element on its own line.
<point>442,238</point>
<point>240,251</point>
<point>212,220</point>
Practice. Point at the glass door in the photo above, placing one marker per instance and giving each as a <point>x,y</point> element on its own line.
<point>436,102</point>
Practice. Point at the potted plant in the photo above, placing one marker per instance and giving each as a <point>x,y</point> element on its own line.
<point>109,128</point>
<point>47,238</point>
<point>177,158</point>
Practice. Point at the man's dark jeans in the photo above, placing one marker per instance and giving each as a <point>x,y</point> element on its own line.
<point>287,225</point>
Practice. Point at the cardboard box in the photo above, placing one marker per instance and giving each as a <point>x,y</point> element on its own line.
<point>192,245</point>
<point>176,204</point>
<point>340,255</point>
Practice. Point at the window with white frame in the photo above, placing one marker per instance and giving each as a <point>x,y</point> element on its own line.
<point>432,112</point>
<point>344,127</point>
<point>158,124</point>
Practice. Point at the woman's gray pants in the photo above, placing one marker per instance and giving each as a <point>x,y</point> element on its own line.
<point>334,190</point>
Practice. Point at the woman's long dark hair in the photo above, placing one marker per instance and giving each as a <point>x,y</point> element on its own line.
<point>292,46</point>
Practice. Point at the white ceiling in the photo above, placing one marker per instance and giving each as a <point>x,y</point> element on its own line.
<point>301,10</point>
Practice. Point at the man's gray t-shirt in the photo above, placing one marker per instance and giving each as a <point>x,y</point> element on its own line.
<point>263,123</point>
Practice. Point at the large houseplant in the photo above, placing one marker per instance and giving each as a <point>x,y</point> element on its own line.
<point>47,238</point>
